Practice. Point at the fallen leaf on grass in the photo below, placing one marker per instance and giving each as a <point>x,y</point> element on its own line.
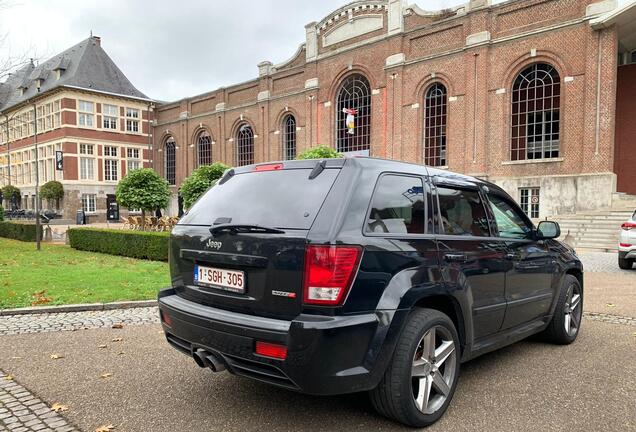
<point>105,428</point>
<point>106,375</point>
<point>118,326</point>
<point>610,305</point>
<point>121,353</point>
<point>119,339</point>
<point>102,346</point>
<point>58,407</point>
<point>57,356</point>
<point>9,377</point>
<point>40,298</point>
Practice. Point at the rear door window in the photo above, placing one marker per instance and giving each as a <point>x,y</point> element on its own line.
<point>462,212</point>
<point>398,206</point>
<point>285,199</point>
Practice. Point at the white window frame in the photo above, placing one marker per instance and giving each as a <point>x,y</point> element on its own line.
<point>89,203</point>
<point>87,168</point>
<point>111,170</point>
<point>84,114</point>
<point>110,114</point>
<point>132,120</point>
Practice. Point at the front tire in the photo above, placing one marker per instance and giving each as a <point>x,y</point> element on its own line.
<point>625,263</point>
<point>421,378</point>
<point>566,322</point>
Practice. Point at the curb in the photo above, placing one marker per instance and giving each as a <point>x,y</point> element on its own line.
<point>85,307</point>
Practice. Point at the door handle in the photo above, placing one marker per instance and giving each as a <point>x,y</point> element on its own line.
<point>450,257</point>
<point>511,256</point>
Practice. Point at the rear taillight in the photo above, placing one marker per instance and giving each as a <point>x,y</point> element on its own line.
<point>272,350</point>
<point>628,226</point>
<point>165,318</point>
<point>625,245</point>
<point>329,271</point>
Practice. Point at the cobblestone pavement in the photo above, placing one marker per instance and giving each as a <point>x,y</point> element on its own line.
<point>70,321</point>
<point>602,262</point>
<point>20,411</point>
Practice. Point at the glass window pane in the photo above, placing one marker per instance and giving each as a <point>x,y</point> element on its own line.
<point>398,206</point>
<point>462,212</point>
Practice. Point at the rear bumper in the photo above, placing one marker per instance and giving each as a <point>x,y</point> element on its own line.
<point>625,253</point>
<point>326,354</point>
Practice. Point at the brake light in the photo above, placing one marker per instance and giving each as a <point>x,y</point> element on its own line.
<point>269,167</point>
<point>165,318</point>
<point>272,350</point>
<point>625,245</point>
<point>628,226</point>
<point>329,271</point>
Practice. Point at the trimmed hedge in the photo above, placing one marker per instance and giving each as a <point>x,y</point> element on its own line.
<point>134,244</point>
<point>19,231</point>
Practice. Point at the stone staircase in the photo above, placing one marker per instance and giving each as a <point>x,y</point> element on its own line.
<point>598,230</point>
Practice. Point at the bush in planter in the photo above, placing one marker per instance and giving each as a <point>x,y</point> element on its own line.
<point>11,194</point>
<point>201,179</point>
<point>134,244</point>
<point>18,231</point>
<point>319,152</point>
<point>52,190</point>
<point>143,189</point>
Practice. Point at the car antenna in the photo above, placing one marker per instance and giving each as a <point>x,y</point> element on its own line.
<point>320,167</point>
<point>228,175</point>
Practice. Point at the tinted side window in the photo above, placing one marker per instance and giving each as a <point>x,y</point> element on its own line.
<point>462,212</point>
<point>510,223</point>
<point>397,206</point>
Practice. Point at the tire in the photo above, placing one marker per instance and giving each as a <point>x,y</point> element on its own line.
<point>566,322</point>
<point>625,263</point>
<point>396,396</point>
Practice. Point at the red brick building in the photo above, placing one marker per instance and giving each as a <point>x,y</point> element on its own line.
<point>84,107</point>
<point>523,93</point>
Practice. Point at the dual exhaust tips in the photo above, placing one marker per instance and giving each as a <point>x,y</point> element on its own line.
<point>207,359</point>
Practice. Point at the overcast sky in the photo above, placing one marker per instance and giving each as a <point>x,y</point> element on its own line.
<point>171,49</point>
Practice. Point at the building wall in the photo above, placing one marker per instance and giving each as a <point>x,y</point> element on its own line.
<point>625,162</point>
<point>476,52</point>
<point>66,134</point>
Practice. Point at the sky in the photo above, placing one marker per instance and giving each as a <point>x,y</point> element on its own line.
<point>170,49</point>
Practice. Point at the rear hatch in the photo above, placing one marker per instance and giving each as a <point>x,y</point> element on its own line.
<point>252,261</point>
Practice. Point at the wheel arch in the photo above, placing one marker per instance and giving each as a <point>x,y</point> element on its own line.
<point>449,306</point>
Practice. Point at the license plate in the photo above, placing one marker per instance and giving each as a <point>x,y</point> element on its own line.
<point>229,280</point>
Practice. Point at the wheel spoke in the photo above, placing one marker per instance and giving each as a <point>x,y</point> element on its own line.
<point>419,368</point>
<point>568,300</point>
<point>440,384</point>
<point>423,393</point>
<point>575,301</point>
<point>574,320</point>
<point>443,352</point>
<point>429,345</point>
<point>568,319</point>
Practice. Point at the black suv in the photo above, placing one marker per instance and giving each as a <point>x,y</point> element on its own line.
<point>348,275</point>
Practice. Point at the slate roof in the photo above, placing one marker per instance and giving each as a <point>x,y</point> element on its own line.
<point>85,65</point>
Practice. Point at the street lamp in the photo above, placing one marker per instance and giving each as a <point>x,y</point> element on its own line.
<point>37,174</point>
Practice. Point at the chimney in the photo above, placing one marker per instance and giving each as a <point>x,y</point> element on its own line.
<point>97,40</point>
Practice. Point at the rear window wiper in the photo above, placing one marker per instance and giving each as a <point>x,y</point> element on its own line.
<point>244,228</point>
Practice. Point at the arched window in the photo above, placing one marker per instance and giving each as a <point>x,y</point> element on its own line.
<point>204,148</point>
<point>536,97</point>
<point>435,111</point>
<point>170,157</point>
<point>353,114</point>
<point>244,145</point>
<point>289,137</point>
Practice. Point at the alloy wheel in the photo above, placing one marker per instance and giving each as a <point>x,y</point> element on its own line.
<point>433,370</point>
<point>573,310</point>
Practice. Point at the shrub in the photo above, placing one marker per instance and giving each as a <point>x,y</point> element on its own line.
<point>18,231</point>
<point>134,244</point>
<point>143,189</point>
<point>10,193</point>
<point>200,181</point>
<point>319,152</point>
<point>1,213</point>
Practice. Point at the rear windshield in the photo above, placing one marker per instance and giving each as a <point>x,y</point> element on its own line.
<point>275,199</point>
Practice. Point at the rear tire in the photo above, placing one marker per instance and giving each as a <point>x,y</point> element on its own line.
<point>568,314</point>
<point>625,263</point>
<point>421,378</point>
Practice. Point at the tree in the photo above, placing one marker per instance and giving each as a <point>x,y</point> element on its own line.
<point>201,179</point>
<point>11,194</point>
<point>143,189</point>
<point>319,152</point>
<point>52,190</point>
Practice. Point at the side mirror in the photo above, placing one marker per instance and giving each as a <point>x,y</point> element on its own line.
<point>548,230</point>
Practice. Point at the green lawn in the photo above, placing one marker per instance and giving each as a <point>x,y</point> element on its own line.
<point>61,275</point>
